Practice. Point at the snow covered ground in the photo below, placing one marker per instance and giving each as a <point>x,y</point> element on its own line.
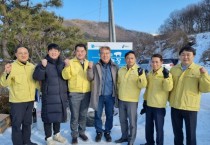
<point>203,129</point>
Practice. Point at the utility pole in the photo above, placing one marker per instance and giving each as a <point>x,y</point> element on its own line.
<point>112,34</point>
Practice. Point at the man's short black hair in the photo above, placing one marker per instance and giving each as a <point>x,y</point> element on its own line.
<point>19,46</point>
<point>187,48</point>
<point>157,55</point>
<point>53,46</point>
<point>80,45</point>
<point>130,52</point>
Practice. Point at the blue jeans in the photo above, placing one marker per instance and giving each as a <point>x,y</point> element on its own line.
<point>108,102</point>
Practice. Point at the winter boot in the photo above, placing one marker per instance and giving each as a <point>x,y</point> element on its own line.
<point>50,141</point>
<point>59,138</point>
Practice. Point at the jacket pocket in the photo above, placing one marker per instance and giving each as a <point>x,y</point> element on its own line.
<point>19,79</point>
<point>19,82</point>
<point>73,83</point>
<point>192,76</point>
<point>191,82</point>
<point>191,99</point>
<point>74,71</point>
<point>133,77</point>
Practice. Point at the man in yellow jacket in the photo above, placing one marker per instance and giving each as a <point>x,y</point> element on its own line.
<point>75,72</point>
<point>131,79</point>
<point>18,78</point>
<point>159,83</point>
<point>189,81</point>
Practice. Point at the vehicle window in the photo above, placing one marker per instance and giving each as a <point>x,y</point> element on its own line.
<point>145,61</point>
<point>167,61</point>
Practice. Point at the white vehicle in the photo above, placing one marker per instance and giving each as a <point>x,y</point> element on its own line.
<point>145,64</point>
<point>167,63</point>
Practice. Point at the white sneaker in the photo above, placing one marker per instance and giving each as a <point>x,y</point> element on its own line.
<point>59,138</point>
<point>50,141</point>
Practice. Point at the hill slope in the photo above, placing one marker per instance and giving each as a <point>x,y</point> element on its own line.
<point>99,31</point>
<point>145,44</point>
<point>202,46</point>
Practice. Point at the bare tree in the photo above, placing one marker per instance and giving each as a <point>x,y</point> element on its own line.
<point>195,18</point>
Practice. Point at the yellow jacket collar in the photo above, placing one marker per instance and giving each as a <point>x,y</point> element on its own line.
<point>159,71</point>
<point>191,66</point>
<point>75,59</point>
<point>135,66</point>
<point>18,62</point>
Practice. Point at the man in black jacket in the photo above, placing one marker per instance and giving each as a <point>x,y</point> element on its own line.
<point>54,93</point>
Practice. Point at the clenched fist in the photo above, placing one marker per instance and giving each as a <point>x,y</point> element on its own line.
<point>67,62</point>
<point>203,70</point>
<point>8,68</point>
<point>165,73</point>
<point>140,71</point>
<point>44,62</point>
<point>90,65</point>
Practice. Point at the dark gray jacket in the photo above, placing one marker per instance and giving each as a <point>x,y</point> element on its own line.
<point>54,90</point>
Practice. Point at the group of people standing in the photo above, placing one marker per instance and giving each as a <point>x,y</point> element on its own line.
<point>102,86</point>
<point>182,87</point>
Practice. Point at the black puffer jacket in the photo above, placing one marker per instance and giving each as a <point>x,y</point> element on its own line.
<point>54,90</point>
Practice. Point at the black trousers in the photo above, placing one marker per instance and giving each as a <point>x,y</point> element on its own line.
<point>48,129</point>
<point>21,118</point>
<point>190,119</point>
<point>155,116</point>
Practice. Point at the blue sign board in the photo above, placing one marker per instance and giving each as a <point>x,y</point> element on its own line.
<point>118,50</point>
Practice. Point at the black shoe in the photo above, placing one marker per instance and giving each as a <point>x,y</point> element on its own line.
<point>98,137</point>
<point>108,137</point>
<point>83,137</point>
<point>130,143</point>
<point>31,143</point>
<point>121,140</point>
<point>144,144</point>
<point>74,140</point>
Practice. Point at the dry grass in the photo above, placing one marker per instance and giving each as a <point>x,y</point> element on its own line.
<point>4,104</point>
